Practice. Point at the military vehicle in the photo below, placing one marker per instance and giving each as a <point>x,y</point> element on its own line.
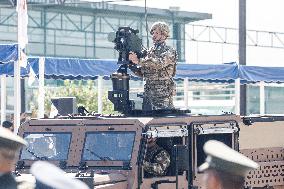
<point>109,151</point>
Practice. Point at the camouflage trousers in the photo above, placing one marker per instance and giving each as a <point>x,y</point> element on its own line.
<point>159,94</point>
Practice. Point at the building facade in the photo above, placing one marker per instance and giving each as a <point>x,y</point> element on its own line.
<point>77,29</point>
<point>80,29</point>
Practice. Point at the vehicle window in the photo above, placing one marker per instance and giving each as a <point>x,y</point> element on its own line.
<point>113,146</point>
<point>46,146</point>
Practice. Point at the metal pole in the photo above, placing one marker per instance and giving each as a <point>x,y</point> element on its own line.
<point>100,94</point>
<point>17,94</point>
<point>242,51</point>
<point>237,96</point>
<point>41,92</point>
<point>185,92</point>
<point>23,95</point>
<point>3,97</point>
<point>44,32</point>
<point>261,98</point>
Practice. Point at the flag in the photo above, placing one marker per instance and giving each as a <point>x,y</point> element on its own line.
<point>22,23</point>
<point>23,60</point>
<point>32,77</point>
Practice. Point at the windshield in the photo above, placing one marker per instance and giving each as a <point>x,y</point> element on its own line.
<point>46,146</point>
<point>113,146</point>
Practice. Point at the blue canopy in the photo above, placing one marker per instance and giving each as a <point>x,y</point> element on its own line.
<point>208,72</point>
<point>73,68</point>
<point>8,53</point>
<point>68,68</point>
<point>8,69</point>
<point>252,74</point>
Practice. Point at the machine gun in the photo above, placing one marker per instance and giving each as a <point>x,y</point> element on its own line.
<point>126,41</point>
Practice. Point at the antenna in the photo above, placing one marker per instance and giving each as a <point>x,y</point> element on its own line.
<point>146,24</point>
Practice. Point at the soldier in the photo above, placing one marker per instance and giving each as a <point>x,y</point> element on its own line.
<point>158,69</point>
<point>224,167</point>
<point>10,144</point>
<point>157,159</point>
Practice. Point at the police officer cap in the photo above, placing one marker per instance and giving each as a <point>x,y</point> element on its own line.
<point>49,176</point>
<point>9,140</point>
<point>223,158</point>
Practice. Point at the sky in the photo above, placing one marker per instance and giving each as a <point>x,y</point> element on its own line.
<point>264,15</point>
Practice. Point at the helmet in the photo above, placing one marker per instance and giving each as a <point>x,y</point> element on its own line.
<point>162,26</point>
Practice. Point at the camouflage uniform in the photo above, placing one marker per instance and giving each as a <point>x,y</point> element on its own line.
<point>158,69</point>
<point>157,161</point>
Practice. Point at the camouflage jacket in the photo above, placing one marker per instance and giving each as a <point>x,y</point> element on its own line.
<point>158,69</point>
<point>159,64</point>
<point>157,161</point>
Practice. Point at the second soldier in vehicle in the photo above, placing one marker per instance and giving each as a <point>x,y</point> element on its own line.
<point>158,69</point>
<point>157,159</point>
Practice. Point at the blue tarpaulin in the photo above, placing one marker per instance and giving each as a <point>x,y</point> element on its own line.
<point>253,74</point>
<point>68,68</point>
<point>8,53</point>
<point>72,68</point>
<point>208,72</point>
<point>8,68</point>
<point>63,68</point>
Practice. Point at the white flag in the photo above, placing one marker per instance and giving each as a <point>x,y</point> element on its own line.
<point>22,23</point>
<point>32,76</point>
<point>23,60</point>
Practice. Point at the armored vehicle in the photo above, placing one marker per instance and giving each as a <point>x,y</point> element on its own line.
<point>109,151</point>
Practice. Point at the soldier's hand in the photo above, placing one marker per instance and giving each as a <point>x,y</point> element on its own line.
<point>133,57</point>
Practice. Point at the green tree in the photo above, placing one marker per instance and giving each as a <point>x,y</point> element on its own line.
<point>85,92</point>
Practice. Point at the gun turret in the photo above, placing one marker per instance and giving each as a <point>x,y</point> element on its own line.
<point>126,40</point>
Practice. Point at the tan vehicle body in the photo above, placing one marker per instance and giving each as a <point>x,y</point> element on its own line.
<point>182,136</point>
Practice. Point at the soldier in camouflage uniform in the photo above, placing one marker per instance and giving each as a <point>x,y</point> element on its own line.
<point>157,159</point>
<point>158,69</point>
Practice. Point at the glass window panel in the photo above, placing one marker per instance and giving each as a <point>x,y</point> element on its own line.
<point>106,53</point>
<point>206,98</point>
<point>70,51</point>
<point>114,146</point>
<point>88,23</point>
<point>49,146</point>
<point>53,20</point>
<point>50,49</point>
<point>274,103</point>
<point>35,49</point>
<point>253,99</point>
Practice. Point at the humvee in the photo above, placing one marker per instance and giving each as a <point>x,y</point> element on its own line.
<point>108,151</point>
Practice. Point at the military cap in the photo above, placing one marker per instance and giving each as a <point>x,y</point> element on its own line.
<point>9,140</point>
<point>48,176</point>
<point>163,27</point>
<point>223,158</point>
